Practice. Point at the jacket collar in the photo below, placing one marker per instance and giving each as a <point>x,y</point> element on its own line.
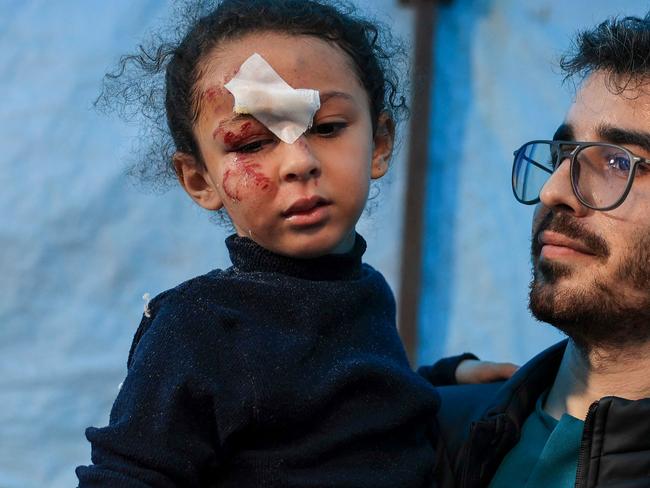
<point>517,397</point>
<point>499,427</point>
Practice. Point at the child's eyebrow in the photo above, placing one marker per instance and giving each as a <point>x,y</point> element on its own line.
<point>234,119</point>
<point>229,122</point>
<point>324,97</point>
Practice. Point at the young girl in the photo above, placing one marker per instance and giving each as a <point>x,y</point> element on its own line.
<point>285,369</point>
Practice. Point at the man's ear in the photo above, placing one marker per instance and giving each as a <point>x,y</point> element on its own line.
<point>383,145</point>
<point>196,181</point>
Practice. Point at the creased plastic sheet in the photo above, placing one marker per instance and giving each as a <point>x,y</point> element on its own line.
<point>81,245</point>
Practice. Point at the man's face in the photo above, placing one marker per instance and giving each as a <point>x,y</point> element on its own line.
<point>591,269</point>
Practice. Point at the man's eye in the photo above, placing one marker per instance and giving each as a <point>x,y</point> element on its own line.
<point>619,162</point>
<point>328,128</point>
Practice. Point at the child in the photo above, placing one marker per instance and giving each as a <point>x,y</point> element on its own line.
<point>285,369</point>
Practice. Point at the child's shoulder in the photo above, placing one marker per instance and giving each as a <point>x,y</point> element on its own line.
<point>375,277</point>
<point>188,311</point>
<point>192,296</point>
<point>186,290</point>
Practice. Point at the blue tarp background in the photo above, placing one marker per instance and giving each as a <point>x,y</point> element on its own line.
<point>80,244</point>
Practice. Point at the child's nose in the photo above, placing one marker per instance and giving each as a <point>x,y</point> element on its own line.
<point>299,163</point>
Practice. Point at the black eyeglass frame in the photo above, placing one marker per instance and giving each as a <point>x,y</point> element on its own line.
<point>577,148</point>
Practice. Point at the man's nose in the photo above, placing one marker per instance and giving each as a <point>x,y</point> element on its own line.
<point>557,192</point>
<point>299,162</point>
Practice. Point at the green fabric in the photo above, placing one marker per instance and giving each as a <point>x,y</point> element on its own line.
<point>546,454</point>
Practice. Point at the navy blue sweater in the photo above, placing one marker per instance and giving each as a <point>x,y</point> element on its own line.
<point>276,372</point>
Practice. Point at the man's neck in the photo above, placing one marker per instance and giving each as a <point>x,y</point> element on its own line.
<point>585,378</point>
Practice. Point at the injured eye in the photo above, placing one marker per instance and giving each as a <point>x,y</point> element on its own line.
<point>252,147</point>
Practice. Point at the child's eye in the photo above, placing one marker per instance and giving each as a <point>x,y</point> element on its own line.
<point>328,129</point>
<point>252,147</point>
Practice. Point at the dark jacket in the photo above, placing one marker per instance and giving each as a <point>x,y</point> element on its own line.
<point>480,424</point>
<point>277,372</point>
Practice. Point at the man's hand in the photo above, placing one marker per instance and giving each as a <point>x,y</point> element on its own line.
<point>472,371</point>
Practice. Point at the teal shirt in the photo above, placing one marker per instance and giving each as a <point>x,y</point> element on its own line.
<point>546,454</point>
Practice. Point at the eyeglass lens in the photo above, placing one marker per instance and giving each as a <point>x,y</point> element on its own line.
<point>533,166</point>
<point>600,173</point>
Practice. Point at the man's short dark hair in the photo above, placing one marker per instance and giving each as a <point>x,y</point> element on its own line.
<point>619,47</point>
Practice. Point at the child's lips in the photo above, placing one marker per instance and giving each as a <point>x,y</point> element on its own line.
<point>307,211</point>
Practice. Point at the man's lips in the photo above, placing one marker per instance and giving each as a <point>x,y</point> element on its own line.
<point>554,244</point>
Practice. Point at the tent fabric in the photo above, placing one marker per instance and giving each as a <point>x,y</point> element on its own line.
<point>81,244</point>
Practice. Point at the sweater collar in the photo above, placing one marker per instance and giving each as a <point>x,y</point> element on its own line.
<point>248,256</point>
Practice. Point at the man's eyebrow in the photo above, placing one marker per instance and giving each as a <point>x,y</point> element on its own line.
<point>564,133</point>
<point>616,135</point>
<point>324,97</point>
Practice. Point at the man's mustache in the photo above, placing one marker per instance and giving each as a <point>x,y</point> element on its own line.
<point>563,223</point>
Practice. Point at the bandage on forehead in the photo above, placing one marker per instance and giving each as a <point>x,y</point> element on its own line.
<point>259,91</point>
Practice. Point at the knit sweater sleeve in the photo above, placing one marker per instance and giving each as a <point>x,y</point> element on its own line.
<point>443,372</point>
<point>161,431</point>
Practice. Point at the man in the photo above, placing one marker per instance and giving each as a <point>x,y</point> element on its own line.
<point>578,414</point>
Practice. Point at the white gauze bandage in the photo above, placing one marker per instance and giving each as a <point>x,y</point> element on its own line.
<point>261,92</point>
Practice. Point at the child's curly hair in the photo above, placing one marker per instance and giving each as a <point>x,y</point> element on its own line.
<point>158,81</point>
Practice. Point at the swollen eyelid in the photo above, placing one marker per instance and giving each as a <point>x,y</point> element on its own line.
<point>251,147</point>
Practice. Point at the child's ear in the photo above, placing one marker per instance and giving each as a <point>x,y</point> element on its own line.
<point>383,145</point>
<point>196,181</point>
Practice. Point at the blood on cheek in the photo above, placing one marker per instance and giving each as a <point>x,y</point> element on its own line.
<point>242,173</point>
<point>243,177</point>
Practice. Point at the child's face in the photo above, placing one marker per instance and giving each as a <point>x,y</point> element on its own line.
<point>302,199</point>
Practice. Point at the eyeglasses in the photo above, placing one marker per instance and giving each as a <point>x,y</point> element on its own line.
<point>601,173</point>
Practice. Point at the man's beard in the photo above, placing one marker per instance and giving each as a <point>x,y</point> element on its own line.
<point>599,313</point>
